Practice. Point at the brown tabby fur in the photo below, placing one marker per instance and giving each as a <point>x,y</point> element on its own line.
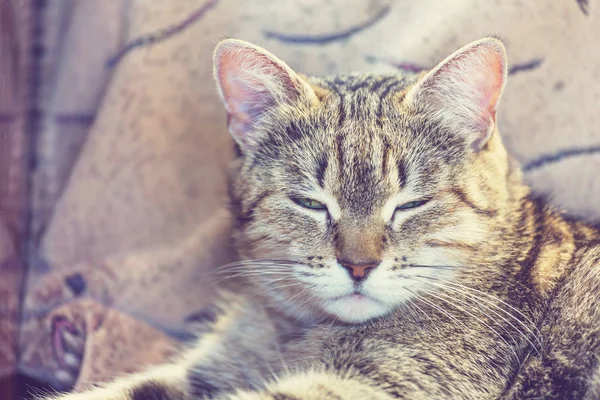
<point>485,291</point>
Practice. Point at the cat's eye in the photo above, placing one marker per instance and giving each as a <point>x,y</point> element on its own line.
<point>309,203</point>
<point>411,205</point>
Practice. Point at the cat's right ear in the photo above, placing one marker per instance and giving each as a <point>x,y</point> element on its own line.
<point>252,82</point>
<point>464,90</point>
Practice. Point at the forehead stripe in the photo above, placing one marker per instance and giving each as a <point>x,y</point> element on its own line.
<point>322,164</point>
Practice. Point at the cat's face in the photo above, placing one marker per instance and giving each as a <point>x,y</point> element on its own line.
<point>369,189</point>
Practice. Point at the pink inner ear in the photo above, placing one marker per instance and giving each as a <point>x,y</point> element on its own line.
<point>491,85</point>
<point>251,83</point>
<point>469,86</point>
<point>244,93</point>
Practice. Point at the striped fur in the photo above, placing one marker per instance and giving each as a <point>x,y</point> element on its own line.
<point>481,292</point>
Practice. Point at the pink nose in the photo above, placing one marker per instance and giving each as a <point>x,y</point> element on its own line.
<point>358,272</point>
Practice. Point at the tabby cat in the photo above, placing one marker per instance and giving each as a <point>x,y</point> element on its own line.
<point>390,247</point>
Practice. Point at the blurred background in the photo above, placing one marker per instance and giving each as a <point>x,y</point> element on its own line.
<point>113,149</point>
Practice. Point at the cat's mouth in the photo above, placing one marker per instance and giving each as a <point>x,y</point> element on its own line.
<point>355,295</point>
<point>355,307</point>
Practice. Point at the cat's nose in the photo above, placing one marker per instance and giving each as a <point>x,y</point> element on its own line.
<point>359,270</point>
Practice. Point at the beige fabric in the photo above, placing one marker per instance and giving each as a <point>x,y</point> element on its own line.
<point>15,35</point>
<point>10,282</point>
<point>140,211</point>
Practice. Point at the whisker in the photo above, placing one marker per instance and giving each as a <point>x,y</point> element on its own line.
<point>526,318</point>
<point>440,309</point>
<point>495,298</point>
<point>251,273</point>
<point>473,297</point>
<point>269,289</point>
<point>478,319</point>
<point>470,305</point>
<point>424,313</point>
<point>259,262</point>
<point>415,314</point>
<point>312,297</point>
<point>272,281</point>
<point>432,266</point>
<point>274,268</point>
<point>256,266</point>
<point>285,304</point>
<point>283,286</point>
<point>261,267</point>
<point>245,274</point>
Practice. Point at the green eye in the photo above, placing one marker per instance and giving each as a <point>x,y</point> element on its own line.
<point>309,203</point>
<point>411,204</point>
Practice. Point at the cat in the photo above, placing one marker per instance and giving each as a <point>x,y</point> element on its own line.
<point>390,247</point>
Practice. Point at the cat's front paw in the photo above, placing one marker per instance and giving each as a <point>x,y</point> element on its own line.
<point>68,342</point>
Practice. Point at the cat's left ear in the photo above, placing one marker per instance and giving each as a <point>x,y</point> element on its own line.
<point>464,90</point>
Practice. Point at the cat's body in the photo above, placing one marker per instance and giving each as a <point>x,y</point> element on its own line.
<point>397,252</point>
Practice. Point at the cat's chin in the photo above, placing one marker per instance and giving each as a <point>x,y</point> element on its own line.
<point>355,308</point>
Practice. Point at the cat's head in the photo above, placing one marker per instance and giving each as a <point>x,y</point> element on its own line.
<point>368,188</point>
